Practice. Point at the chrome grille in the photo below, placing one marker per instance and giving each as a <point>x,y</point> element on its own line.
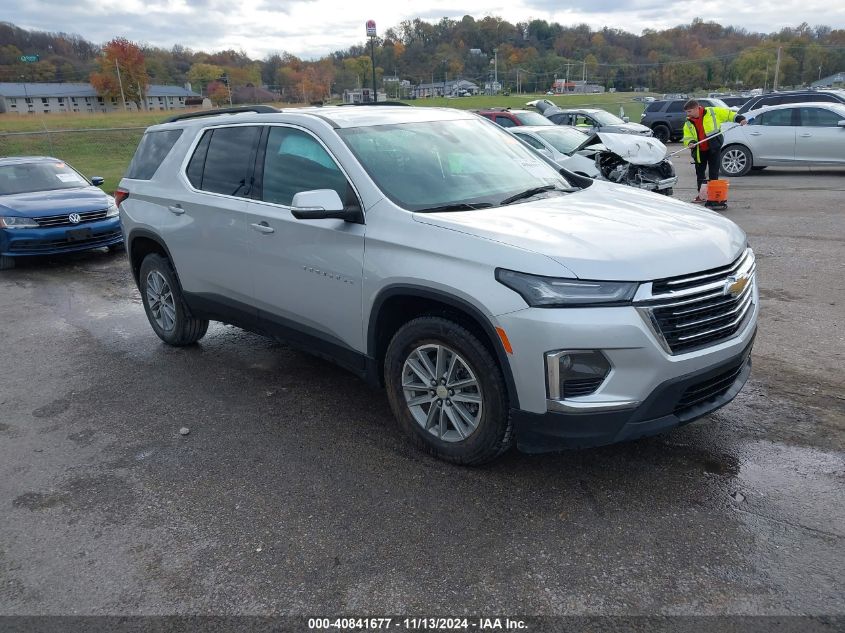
<point>62,220</point>
<point>695,311</point>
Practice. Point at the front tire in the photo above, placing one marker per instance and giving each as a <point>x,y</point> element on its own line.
<point>447,392</point>
<point>164,305</point>
<point>736,160</point>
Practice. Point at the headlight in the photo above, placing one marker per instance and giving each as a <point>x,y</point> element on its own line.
<point>550,292</point>
<point>113,210</point>
<point>18,223</point>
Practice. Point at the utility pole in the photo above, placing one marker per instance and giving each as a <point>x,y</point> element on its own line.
<point>496,68</point>
<point>766,80</point>
<point>777,71</point>
<point>120,81</point>
<point>371,33</point>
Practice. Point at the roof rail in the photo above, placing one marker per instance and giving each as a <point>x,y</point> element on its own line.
<point>260,109</point>
<point>379,103</point>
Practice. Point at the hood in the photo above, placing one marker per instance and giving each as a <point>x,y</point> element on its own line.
<point>637,150</point>
<point>607,232</point>
<point>54,202</point>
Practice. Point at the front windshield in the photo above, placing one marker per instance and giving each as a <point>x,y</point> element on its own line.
<point>424,166</point>
<point>42,176</point>
<point>532,118</point>
<point>606,118</point>
<point>563,139</point>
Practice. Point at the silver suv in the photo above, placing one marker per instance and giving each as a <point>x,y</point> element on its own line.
<point>498,298</point>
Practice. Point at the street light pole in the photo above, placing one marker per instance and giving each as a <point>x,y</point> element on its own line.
<point>496,69</point>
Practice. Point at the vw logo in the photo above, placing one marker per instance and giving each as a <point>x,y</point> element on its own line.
<point>74,218</point>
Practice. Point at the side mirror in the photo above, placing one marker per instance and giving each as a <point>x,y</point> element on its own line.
<point>97,181</point>
<point>322,204</point>
<point>841,123</point>
<point>626,119</point>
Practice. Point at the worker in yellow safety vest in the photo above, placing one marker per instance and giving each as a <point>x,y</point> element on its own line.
<point>701,125</point>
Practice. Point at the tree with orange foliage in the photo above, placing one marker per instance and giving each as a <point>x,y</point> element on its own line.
<point>121,54</point>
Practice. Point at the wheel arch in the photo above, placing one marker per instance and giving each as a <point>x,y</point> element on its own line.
<point>396,305</point>
<point>139,244</point>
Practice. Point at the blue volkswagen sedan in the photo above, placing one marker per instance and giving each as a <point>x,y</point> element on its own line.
<point>47,207</point>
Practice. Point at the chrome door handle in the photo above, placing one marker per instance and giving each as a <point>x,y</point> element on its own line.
<point>755,133</point>
<point>806,135</point>
<point>176,209</point>
<point>263,227</point>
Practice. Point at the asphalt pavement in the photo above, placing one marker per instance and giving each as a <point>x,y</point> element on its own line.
<point>294,493</point>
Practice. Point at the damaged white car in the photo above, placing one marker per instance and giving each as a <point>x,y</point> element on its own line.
<point>636,161</point>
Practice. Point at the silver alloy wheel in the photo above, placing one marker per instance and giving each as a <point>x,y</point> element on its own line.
<point>734,161</point>
<point>442,392</point>
<point>160,300</point>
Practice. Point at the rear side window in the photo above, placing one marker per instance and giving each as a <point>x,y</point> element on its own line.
<point>676,106</point>
<point>153,149</point>
<point>227,155</point>
<point>777,118</point>
<point>654,106</point>
<point>505,121</point>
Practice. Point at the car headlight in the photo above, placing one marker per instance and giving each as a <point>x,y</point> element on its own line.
<point>18,223</point>
<point>552,292</point>
<point>113,210</point>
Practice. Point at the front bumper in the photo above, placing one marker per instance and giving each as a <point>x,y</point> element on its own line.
<point>65,239</point>
<point>673,403</point>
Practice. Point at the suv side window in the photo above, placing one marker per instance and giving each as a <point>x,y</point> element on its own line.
<point>295,161</point>
<point>227,158</point>
<point>676,106</point>
<point>559,119</point>
<point>655,106</point>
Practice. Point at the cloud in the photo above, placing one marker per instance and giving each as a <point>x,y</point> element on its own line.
<point>314,28</point>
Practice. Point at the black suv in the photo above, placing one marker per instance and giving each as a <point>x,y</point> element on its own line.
<point>666,118</point>
<point>793,96</point>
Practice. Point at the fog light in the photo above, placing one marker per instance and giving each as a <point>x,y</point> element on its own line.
<point>575,373</point>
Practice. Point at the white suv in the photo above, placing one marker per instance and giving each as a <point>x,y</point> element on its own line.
<point>497,298</point>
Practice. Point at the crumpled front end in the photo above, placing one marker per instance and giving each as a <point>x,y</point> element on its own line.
<point>658,177</point>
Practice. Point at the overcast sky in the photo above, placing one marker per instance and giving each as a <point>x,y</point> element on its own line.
<point>313,28</point>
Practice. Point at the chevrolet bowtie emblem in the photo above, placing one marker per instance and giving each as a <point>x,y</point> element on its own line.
<point>735,284</point>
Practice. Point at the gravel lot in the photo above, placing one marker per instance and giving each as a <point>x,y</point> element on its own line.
<point>295,494</point>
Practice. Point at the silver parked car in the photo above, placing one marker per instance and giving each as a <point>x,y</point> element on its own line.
<point>588,119</point>
<point>496,299</point>
<point>792,135</point>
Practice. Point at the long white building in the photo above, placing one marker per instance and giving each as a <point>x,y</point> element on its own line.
<point>47,98</point>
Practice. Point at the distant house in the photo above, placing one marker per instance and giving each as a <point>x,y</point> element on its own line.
<point>561,86</point>
<point>453,88</point>
<point>253,94</point>
<point>830,81</point>
<point>362,95</point>
<point>48,98</point>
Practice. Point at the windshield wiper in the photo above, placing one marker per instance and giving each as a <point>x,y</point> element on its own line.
<point>528,193</point>
<point>458,206</point>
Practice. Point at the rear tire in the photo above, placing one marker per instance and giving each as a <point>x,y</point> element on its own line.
<point>661,133</point>
<point>6,262</point>
<point>463,417</point>
<point>736,161</point>
<point>164,305</point>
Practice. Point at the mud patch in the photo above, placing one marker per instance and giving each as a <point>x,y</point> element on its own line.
<point>40,501</point>
<point>779,295</point>
<point>56,407</point>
